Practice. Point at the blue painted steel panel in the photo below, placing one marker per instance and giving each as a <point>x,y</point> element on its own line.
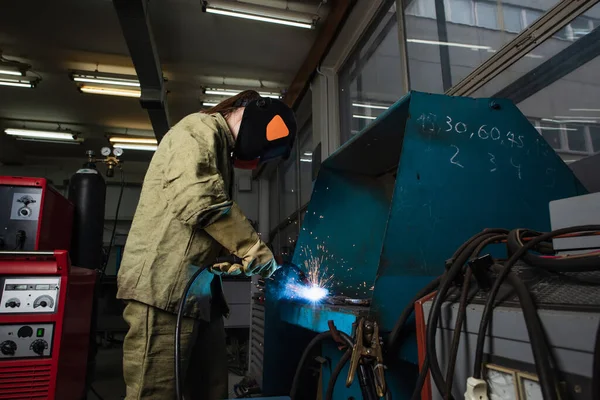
<point>391,205</point>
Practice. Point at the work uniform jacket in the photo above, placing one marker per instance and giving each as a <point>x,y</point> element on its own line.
<point>185,218</point>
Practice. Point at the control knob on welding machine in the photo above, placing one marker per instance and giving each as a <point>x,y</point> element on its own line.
<point>39,346</point>
<point>8,348</point>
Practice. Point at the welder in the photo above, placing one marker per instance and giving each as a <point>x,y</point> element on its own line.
<point>186,218</point>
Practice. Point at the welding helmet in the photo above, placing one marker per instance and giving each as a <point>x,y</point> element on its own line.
<point>267,133</point>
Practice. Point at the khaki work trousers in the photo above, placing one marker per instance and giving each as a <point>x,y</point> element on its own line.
<point>148,355</point>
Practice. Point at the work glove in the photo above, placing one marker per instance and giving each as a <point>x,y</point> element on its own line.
<point>257,261</point>
<point>235,233</point>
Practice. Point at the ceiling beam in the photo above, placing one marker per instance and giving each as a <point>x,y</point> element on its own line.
<point>331,27</point>
<point>135,23</point>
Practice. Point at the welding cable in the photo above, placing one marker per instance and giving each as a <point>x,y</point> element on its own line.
<point>392,342</point>
<point>460,318</point>
<point>462,308</point>
<point>421,379</point>
<point>114,229</point>
<point>435,312</point>
<point>537,338</point>
<point>336,373</point>
<point>180,312</point>
<point>489,304</point>
<point>576,263</point>
<point>309,349</point>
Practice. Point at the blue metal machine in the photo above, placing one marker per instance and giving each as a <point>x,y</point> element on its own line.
<point>391,205</point>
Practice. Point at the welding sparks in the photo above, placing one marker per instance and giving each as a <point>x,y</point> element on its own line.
<point>316,287</point>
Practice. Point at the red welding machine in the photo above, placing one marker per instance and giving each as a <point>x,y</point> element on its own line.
<point>45,308</point>
<point>33,215</point>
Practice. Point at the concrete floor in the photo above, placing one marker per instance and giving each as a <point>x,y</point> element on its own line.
<point>109,375</point>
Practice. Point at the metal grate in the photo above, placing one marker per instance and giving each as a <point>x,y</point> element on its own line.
<point>257,339</point>
<point>25,382</point>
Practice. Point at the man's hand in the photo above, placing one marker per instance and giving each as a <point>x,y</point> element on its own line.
<point>257,261</point>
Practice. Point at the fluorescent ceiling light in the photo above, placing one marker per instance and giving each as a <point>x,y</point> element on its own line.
<point>28,133</point>
<point>533,56</point>
<point>363,117</point>
<point>23,139</point>
<point>209,104</point>
<point>308,153</point>
<point>585,109</point>
<point>17,84</point>
<point>306,159</point>
<point>573,121</point>
<point>254,17</point>
<point>110,91</point>
<point>575,116</point>
<point>139,140</point>
<point>10,72</point>
<point>230,92</point>
<point>106,80</point>
<point>370,106</point>
<point>450,44</point>
<point>128,146</point>
<point>555,128</point>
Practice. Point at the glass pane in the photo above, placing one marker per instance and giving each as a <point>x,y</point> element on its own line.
<point>581,26</point>
<point>487,15</point>
<point>442,53</point>
<point>552,136</point>
<point>595,137</point>
<point>289,237</point>
<point>512,18</point>
<point>564,93</point>
<point>461,12</point>
<point>531,16</point>
<point>371,80</point>
<point>273,202</point>
<point>288,187</point>
<point>306,157</point>
<point>576,138</point>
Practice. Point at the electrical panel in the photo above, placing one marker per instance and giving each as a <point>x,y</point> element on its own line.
<point>33,215</point>
<point>26,341</point>
<point>25,295</point>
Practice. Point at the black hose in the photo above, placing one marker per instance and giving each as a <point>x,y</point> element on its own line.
<point>392,342</point>
<point>336,373</point>
<point>489,304</point>
<point>311,345</point>
<point>537,339</point>
<point>421,379</point>
<point>462,308</point>
<point>596,368</point>
<point>178,374</point>
<point>575,264</point>
<point>436,306</point>
<point>114,229</point>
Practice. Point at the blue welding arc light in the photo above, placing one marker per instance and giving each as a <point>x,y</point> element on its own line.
<point>313,293</point>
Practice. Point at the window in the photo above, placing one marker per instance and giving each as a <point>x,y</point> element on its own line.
<point>306,158</point>
<point>460,12</point>
<point>595,137</point>
<point>288,192</point>
<point>442,53</point>
<point>531,16</point>
<point>371,76</point>
<point>487,14</point>
<point>580,27</point>
<point>512,19</point>
<point>273,201</point>
<point>564,98</point>
<point>576,138</point>
<point>552,136</point>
